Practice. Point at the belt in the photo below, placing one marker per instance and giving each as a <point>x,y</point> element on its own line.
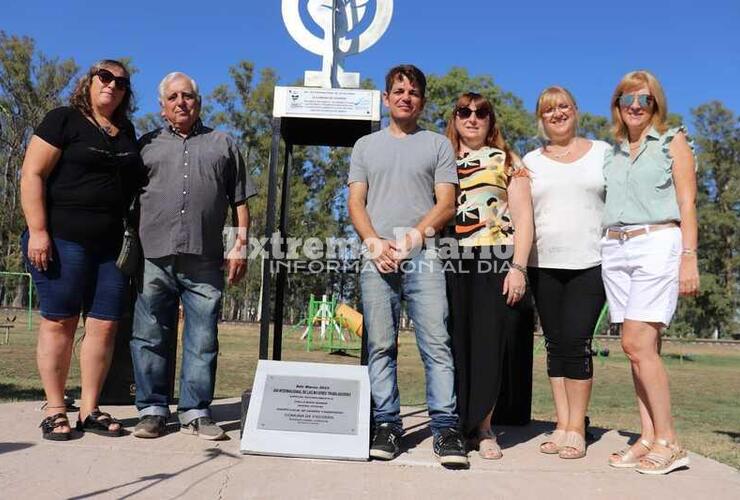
<point>622,235</point>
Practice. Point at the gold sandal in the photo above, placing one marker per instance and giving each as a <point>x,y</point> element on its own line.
<point>626,458</point>
<point>573,441</point>
<point>488,447</point>
<point>552,446</point>
<point>657,463</point>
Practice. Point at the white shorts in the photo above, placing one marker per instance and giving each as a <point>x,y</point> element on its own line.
<point>641,275</point>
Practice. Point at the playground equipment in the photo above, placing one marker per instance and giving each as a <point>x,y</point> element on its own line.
<point>29,306</point>
<point>339,326</point>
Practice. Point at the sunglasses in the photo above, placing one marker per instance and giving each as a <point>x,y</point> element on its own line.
<point>106,77</point>
<point>644,100</point>
<point>562,107</point>
<point>464,113</point>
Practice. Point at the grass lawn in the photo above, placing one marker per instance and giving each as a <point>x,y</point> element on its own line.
<point>705,384</point>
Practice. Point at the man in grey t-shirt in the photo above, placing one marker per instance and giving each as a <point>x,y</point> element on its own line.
<point>402,189</point>
<point>194,174</point>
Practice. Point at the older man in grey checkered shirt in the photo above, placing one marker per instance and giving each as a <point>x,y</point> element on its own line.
<point>195,174</point>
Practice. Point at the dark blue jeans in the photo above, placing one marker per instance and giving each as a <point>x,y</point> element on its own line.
<point>80,279</point>
<point>198,283</point>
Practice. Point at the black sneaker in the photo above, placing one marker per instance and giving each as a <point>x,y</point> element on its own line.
<point>449,448</point>
<point>150,426</point>
<point>385,443</point>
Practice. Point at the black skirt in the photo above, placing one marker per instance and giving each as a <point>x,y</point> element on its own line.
<point>491,341</point>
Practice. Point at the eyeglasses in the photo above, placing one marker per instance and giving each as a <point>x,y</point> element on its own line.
<point>562,107</point>
<point>106,77</point>
<point>465,113</point>
<point>644,100</point>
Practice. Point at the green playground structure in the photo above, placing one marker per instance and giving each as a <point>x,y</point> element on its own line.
<point>338,326</point>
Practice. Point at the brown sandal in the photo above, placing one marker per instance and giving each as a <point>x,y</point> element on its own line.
<point>552,446</point>
<point>627,458</point>
<point>657,463</point>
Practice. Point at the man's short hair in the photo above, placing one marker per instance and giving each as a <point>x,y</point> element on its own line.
<point>175,75</point>
<point>411,72</point>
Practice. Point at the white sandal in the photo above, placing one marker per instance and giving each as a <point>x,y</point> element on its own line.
<point>552,446</point>
<point>656,463</point>
<point>627,458</point>
<point>576,443</point>
<point>488,447</point>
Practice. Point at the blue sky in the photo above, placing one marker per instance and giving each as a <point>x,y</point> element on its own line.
<point>692,46</point>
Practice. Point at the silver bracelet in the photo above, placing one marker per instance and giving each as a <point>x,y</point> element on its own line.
<point>521,269</point>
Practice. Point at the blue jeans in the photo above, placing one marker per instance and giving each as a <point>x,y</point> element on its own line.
<point>198,282</point>
<point>421,282</point>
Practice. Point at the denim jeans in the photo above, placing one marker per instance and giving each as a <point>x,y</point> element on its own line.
<point>420,282</point>
<point>198,283</point>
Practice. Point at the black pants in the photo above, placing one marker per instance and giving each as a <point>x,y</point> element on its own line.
<point>568,302</point>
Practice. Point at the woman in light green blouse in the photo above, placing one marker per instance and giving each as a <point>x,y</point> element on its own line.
<point>648,254</point>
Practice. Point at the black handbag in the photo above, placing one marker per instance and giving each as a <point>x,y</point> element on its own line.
<point>130,257</point>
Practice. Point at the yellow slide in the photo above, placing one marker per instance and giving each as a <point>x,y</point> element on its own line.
<point>350,318</point>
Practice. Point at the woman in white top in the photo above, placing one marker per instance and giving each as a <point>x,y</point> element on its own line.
<point>565,263</point>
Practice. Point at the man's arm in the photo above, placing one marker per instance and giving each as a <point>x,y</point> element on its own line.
<point>433,222</point>
<point>237,257</point>
<point>381,251</point>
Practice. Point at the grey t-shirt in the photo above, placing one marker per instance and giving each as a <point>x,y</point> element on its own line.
<point>401,173</point>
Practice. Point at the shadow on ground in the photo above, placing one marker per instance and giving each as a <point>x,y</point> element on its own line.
<point>155,479</point>
<point>735,436</point>
<point>11,447</point>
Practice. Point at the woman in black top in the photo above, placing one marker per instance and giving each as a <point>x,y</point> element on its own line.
<point>78,176</point>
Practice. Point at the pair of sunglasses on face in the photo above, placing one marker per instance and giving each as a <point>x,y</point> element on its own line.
<point>106,77</point>
<point>465,112</point>
<point>643,100</point>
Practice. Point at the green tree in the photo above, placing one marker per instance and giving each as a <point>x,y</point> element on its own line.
<point>718,205</point>
<point>31,84</point>
<point>517,124</point>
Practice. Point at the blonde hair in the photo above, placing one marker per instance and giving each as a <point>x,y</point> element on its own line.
<point>630,82</point>
<point>548,98</point>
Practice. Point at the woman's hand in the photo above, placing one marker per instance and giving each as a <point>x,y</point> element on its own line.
<point>515,285</point>
<point>39,249</point>
<point>688,275</point>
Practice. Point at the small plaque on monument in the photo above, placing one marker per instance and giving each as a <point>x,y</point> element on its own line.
<point>308,410</point>
<point>308,102</point>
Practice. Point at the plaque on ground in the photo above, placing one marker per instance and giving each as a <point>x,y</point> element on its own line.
<point>308,410</point>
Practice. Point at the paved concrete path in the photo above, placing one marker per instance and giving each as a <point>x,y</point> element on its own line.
<point>181,466</point>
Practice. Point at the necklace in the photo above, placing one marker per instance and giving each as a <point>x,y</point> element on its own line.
<point>561,155</point>
<point>105,129</point>
<point>565,153</point>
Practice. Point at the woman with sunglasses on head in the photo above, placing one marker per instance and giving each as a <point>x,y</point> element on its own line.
<point>78,177</point>
<point>649,254</point>
<point>487,280</point>
<point>565,271</point>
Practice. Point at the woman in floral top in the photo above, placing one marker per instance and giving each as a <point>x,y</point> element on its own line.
<point>487,278</point>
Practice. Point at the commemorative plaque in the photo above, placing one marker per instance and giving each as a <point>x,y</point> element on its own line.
<point>308,410</point>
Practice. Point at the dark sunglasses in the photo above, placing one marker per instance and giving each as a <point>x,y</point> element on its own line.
<point>465,113</point>
<point>644,100</point>
<point>106,77</point>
